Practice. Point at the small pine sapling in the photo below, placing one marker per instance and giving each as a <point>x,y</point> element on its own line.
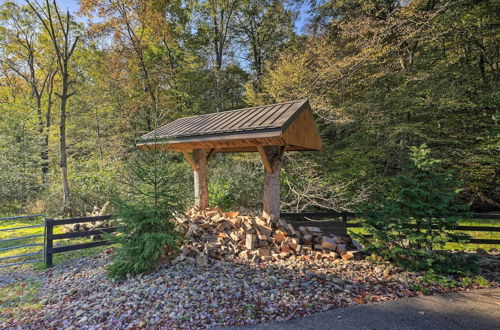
<point>146,230</point>
<point>417,216</point>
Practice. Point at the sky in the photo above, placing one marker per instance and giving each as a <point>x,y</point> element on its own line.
<point>304,17</point>
<point>73,6</point>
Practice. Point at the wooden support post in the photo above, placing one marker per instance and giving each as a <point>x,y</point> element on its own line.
<point>200,178</point>
<point>271,157</point>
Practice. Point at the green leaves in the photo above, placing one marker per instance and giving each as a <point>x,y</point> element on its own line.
<point>144,234</point>
<point>416,216</point>
<point>421,157</point>
<point>383,77</point>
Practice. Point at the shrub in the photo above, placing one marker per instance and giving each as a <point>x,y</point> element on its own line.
<point>146,230</point>
<point>144,235</point>
<point>236,182</point>
<point>405,225</point>
<point>222,194</point>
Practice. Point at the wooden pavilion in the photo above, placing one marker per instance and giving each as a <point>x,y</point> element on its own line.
<point>269,130</point>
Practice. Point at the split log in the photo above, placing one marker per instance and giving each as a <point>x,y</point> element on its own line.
<point>225,235</point>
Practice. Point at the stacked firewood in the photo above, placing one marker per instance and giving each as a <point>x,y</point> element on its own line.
<point>229,235</point>
<point>84,226</point>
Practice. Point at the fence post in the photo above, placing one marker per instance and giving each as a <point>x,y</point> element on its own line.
<point>49,231</point>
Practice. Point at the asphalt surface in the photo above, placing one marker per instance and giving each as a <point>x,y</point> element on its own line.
<point>479,309</point>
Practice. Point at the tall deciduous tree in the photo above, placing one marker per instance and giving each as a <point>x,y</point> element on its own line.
<point>217,25</point>
<point>263,27</point>
<point>59,27</point>
<point>144,59</point>
<point>27,58</point>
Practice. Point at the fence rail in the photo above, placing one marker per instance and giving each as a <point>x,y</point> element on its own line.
<point>20,238</point>
<point>23,217</point>
<point>338,228</point>
<point>464,228</point>
<point>322,220</point>
<point>23,227</point>
<point>50,237</point>
<point>20,246</point>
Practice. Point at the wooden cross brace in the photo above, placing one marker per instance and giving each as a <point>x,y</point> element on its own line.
<point>271,157</point>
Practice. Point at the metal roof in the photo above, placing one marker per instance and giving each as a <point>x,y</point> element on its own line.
<point>273,117</point>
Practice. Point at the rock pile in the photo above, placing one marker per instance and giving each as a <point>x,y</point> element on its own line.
<point>229,235</point>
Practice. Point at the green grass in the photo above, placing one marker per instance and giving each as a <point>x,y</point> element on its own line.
<point>58,258</point>
<point>4,224</point>
<point>18,298</point>
<point>473,234</point>
<point>19,294</point>
<point>478,235</point>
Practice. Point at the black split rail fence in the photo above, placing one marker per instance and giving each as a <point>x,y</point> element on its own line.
<point>50,237</point>
<point>323,221</point>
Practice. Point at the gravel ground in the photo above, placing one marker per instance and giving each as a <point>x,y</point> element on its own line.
<point>77,294</point>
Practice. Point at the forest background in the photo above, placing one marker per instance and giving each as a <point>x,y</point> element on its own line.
<point>381,76</point>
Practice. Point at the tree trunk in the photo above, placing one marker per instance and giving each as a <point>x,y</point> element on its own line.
<point>271,157</point>
<point>64,47</point>
<point>48,115</point>
<point>200,178</point>
<point>63,163</point>
<point>271,205</point>
<point>41,128</point>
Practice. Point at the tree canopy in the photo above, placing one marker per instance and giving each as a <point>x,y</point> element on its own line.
<point>382,76</point>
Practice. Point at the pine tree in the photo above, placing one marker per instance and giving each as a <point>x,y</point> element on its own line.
<point>417,216</point>
<point>147,231</point>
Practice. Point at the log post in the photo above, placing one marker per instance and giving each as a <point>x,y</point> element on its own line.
<point>200,178</point>
<point>271,157</point>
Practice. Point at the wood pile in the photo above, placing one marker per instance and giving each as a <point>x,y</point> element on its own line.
<point>97,212</point>
<point>228,235</point>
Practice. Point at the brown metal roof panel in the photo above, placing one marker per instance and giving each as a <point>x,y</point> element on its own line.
<point>291,112</point>
<point>271,121</point>
<point>234,120</point>
<point>190,124</point>
<point>273,115</point>
<point>260,120</point>
<point>199,126</point>
<point>276,110</point>
<point>185,124</point>
<point>216,124</point>
<point>247,118</point>
<point>235,117</point>
<point>208,121</point>
<point>242,120</point>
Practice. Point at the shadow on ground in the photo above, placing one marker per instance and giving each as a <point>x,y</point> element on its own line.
<point>462,310</point>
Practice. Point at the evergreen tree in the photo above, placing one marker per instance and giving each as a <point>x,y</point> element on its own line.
<point>146,230</point>
<point>416,217</point>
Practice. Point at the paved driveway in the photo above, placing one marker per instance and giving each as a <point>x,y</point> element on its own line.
<point>478,309</point>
